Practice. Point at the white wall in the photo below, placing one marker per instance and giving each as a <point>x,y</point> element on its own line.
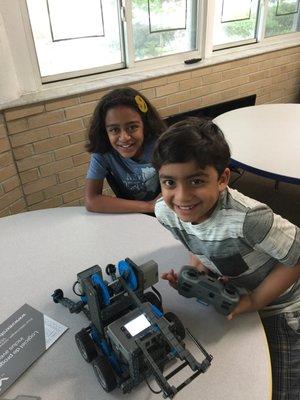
<point>18,67</point>
<point>9,87</point>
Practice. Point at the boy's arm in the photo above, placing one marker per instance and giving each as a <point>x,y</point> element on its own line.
<point>277,282</point>
<point>280,239</point>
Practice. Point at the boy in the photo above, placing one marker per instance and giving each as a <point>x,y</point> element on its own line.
<point>234,236</point>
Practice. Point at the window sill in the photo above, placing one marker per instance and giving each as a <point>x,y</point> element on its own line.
<point>108,80</point>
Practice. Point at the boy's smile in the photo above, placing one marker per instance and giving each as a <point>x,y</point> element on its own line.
<point>191,192</point>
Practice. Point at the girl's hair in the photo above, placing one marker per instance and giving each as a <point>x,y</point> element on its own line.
<point>98,141</point>
<point>192,139</point>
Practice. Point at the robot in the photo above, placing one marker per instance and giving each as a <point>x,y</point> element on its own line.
<point>207,290</point>
<point>129,337</point>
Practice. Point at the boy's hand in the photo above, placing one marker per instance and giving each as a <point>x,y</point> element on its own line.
<point>172,277</point>
<point>195,262</point>
<point>245,305</point>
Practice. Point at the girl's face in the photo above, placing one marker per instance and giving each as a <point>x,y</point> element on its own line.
<point>125,130</point>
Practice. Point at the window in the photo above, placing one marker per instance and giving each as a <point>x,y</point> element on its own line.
<point>283,17</point>
<point>82,37</point>
<point>162,27</point>
<point>238,22</point>
<point>71,36</point>
<point>235,21</point>
<point>77,37</point>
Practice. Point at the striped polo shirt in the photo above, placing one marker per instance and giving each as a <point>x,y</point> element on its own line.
<point>243,239</point>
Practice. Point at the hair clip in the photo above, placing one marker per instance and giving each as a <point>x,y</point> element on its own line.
<point>142,105</point>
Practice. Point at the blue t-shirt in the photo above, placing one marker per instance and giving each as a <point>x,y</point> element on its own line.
<point>129,179</point>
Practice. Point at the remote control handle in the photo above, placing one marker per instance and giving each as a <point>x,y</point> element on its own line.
<point>192,283</point>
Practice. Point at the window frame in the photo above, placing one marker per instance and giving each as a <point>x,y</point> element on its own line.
<point>282,34</point>
<point>30,85</point>
<point>127,47</point>
<point>229,45</point>
<point>72,74</point>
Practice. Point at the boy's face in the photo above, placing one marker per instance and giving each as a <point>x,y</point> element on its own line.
<point>191,192</point>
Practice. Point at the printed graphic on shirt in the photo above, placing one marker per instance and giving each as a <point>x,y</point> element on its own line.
<point>146,181</point>
<point>150,178</point>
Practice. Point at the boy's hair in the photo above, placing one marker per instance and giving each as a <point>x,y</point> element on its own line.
<point>192,139</point>
<point>98,141</point>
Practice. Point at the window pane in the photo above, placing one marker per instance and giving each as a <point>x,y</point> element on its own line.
<point>283,17</point>
<point>75,35</point>
<point>234,21</point>
<point>79,14</point>
<point>163,27</point>
<point>176,12</point>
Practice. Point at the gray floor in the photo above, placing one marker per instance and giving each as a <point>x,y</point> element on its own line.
<point>284,201</point>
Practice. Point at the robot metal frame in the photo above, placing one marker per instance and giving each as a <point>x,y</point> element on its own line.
<point>129,337</point>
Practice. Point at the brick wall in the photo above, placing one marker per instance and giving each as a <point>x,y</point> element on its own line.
<point>12,199</point>
<point>42,157</point>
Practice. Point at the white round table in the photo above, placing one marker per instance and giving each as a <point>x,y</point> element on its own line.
<point>44,250</point>
<point>265,140</point>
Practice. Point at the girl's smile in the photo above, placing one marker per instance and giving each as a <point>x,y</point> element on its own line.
<point>125,131</point>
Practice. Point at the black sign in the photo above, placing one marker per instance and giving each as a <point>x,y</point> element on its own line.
<point>24,336</point>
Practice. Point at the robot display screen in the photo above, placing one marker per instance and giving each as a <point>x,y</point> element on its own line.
<point>137,325</point>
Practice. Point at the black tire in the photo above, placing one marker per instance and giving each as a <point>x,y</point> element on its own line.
<point>153,299</point>
<point>178,328</point>
<point>57,295</point>
<point>104,373</point>
<point>86,346</point>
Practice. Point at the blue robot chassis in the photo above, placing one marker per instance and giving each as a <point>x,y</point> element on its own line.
<point>129,337</point>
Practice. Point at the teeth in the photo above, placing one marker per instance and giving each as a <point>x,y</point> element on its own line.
<point>125,146</point>
<point>185,207</point>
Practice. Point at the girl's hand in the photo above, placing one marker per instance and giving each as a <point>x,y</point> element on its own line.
<point>245,305</point>
<point>172,277</point>
<point>151,203</point>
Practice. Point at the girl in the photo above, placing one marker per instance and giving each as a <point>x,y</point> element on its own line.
<point>122,134</point>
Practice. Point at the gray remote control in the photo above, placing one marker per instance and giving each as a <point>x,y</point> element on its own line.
<point>192,283</point>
